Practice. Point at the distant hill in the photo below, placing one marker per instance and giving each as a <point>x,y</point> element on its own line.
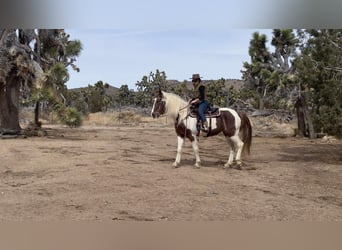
<point>111,90</point>
<point>235,83</point>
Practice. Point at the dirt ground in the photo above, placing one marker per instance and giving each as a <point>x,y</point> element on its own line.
<point>125,173</point>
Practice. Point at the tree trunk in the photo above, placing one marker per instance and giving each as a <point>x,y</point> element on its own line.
<point>36,115</point>
<point>261,102</point>
<point>9,104</point>
<point>305,126</point>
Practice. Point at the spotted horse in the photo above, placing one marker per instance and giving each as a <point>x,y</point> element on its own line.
<point>235,126</point>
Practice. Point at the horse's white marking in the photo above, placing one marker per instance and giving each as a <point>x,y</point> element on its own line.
<point>212,122</point>
<point>236,143</point>
<point>154,104</point>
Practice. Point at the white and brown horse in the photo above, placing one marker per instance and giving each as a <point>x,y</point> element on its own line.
<point>236,127</point>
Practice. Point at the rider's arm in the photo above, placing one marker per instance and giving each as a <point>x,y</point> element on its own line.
<point>194,100</point>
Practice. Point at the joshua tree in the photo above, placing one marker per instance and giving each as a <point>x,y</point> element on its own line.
<point>32,59</point>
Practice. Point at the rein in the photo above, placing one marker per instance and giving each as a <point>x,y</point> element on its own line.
<point>184,107</point>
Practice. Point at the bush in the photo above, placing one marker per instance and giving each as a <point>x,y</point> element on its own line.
<point>69,116</point>
<point>127,117</point>
<point>73,118</point>
<point>328,120</point>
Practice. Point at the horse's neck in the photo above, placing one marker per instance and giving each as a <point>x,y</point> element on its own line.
<point>177,108</point>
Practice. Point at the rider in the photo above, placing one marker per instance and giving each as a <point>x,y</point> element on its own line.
<point>200,100</point>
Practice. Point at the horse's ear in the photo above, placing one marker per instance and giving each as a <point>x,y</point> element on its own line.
<point>159,93</point>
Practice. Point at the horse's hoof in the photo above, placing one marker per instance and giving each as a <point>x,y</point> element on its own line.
<point>237,167</point>
<point>198,165</point>
<point>227,166</point>
<point>175,165</point>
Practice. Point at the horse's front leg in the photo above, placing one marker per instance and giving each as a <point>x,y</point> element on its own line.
<point>229,163</point>
<point>196,151</point>
<point>179,152</point>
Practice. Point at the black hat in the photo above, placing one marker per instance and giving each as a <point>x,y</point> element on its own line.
<point>195,77</point>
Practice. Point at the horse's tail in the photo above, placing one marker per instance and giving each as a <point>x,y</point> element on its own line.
<point>246,129</point>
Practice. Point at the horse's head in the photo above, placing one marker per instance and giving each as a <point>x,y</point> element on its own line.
<point>159,104</point>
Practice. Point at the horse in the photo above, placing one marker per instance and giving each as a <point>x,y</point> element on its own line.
<point>235,126</point>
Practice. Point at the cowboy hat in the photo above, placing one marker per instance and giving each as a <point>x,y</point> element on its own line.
<point>195,77</point>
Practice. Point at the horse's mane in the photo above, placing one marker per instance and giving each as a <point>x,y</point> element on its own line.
<point>175,105</point>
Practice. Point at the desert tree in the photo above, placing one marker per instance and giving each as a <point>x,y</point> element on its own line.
<point>258,70</point>
<point>56,54</point>
<point>182,90</point>
<point>125,96</point>
<point>32,59</point>
<point>95,98</point>
<point>148,85</point>
<point>216,92</point>
<point>19,70</point>
<point>270,74</point>
<point>319,74</point>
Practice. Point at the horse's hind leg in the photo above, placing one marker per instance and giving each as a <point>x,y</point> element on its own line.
<point>238,143</point>
<point>231,153</point>
<point>179,152</point>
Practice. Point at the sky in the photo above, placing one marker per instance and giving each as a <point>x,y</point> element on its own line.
<point>126,40</point>
<point>124,56</point>
<point>123,40</point>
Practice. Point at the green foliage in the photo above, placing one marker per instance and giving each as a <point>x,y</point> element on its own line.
<point>319,73</point>
<point>125,96</point>
<point>39,95</point>
<point>74,48</point>
<point>328,119</point>
<point>76,99</point>
<point>257,71</point>
<point>58,74</point>
<point>91,99</point>
<point>267,73</point>
<point>216,93</point>
<point>148,85</point>
<point>181,90</point>
<point>69,116</point>
<point>66,115</point>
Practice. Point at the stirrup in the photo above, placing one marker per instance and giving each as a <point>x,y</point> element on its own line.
<point>205,129</point>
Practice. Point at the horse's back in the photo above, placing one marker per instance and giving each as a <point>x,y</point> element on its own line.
<point>233,111</point>
<point>231,115</point>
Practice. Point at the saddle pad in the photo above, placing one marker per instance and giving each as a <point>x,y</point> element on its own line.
<point>212,113</point>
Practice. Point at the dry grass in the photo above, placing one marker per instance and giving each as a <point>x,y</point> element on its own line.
<point>268,126</point>
<point>262,126</point>
<point>110,118</point>
<point>115,118</point>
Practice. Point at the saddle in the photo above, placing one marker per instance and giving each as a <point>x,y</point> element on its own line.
<point>210,113</point>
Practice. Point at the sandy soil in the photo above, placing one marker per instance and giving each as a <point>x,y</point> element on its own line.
<point>125,173</point>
